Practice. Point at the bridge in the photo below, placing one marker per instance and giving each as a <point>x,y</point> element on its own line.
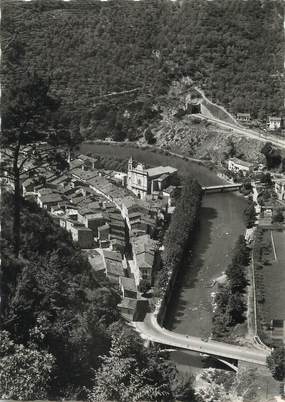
<point>150,330</point>
<point>221,188</point>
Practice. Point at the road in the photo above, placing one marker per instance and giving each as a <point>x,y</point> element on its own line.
<point>246,132</point>
<point>150,329</point>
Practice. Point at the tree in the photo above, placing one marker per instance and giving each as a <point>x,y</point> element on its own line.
<point>149,137</point>
<point>26,117</point>
<point>25,373</point>
<point>278,217</point>
<point>276,363</point>
<point>250,214</point>
<point>272,155</point>
<point>132,373</point>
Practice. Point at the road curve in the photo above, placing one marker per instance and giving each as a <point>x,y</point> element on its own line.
<point>150,329</point>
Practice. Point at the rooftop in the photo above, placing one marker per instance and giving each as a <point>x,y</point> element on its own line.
<point>129,303</point>
<point>160,170</point>
<point>240,162</point>
<point>112,255</point>
<point>114,268</point>
<point>128,283</point>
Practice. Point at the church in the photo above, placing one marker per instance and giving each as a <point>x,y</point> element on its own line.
<point>148,183</point>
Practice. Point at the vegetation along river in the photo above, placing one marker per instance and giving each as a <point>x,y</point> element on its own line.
<point>220,224</point>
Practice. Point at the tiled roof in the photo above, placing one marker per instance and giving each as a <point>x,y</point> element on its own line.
<point>112,255</point>
<point>129,303</point>
<point>114,268</point>
<point>160,170</point>
<point>128,283</point>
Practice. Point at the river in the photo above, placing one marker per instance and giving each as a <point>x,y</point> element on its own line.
<point>220,224</point>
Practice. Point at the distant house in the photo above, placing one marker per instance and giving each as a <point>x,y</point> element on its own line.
<point>128,287</point>
<point>49,200</point>
<point>82,235</point>
<point>95,260</point>
<point>92,220</point>
<point>128,307</point>
<point>113,265</point>
<point>237,165</point>
<point>133,309</point>
<point>274,123</point>
<point>103,235</point>
<point>144,253</point>
<point>243,117</point>
<point>279,187</point>
<point>89,161</point>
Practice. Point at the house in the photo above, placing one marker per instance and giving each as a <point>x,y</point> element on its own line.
<point>148,182</point>
<point>128,307</point>
<point>279,187</point>
<point>134,309</point>
<point>88,161</point>
<point>237,165</point>
<point>128,287</point>
<point>103,235</point>
<point>243,117</point>
<point>49,200</point>
<point>144,253</point>
<point>82,235</point>
<point>92,220</point>
<point>274,123</point>
<point>113,271</point>
<point>95,259</point>
<point>76,163</point>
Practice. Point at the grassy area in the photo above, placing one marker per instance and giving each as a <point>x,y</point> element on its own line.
<point>152,157</point>
<point>269,279</point>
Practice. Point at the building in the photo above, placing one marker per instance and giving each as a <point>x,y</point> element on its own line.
<point>148,182</point>
<point>237,165</point>
<point>128,287</point>
<point>279,187</point>
<point>144,253</point>
<point>47,201</point>
<point>82,235</point>
<point>243,117</point>
<point>274,123</point>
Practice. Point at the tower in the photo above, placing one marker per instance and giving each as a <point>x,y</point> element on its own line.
<point>130,169</point>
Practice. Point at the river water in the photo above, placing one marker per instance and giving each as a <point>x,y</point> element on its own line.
<point>220,224</point>
<point>190,312</point>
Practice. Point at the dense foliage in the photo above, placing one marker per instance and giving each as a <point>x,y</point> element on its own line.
<point>129,373</point>
<point>25,373</point>
<point>180,233</point>
<point>112,62</point>
<point>52,300</point>
<point>276,363</point>
<point>230,303</point>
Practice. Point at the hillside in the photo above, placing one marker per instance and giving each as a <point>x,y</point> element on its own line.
<point>112,62</point>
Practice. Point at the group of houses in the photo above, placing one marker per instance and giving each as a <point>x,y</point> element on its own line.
<point>273,122</point>
<point>243,168</point>
<point>112,216</point>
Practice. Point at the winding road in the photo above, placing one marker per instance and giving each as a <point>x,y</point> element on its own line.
<point>150,329</point>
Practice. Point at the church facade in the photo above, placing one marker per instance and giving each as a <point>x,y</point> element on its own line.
<point>151,182</point>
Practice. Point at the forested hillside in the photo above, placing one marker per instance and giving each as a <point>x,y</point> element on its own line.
<point>93,50</point>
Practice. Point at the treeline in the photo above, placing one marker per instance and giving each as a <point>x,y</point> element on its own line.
<point>58,319</point>
<point>112,62</point>
<point>230,298</point>
<point>180,233</point>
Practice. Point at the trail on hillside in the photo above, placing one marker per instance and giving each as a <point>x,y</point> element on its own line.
<point>207,112</point>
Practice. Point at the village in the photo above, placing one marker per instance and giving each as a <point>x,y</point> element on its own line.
<point>117,218</point>
<point>113,217</point>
